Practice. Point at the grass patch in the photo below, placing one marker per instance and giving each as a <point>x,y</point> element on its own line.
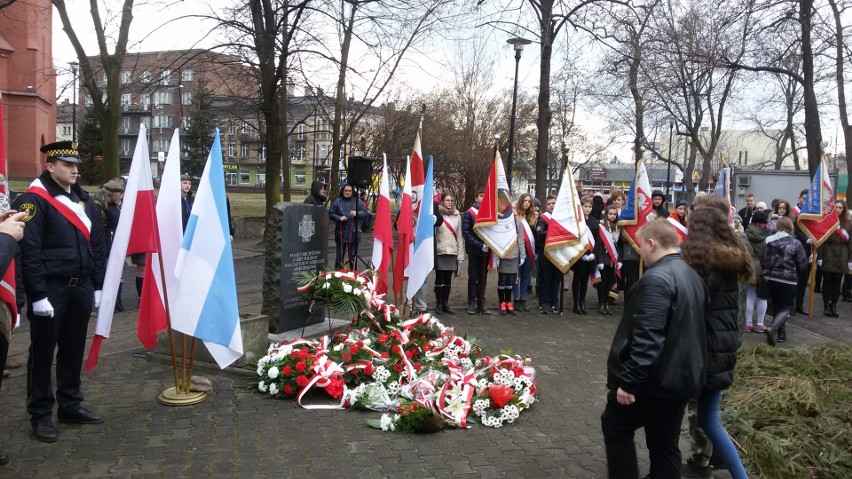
<point>790,411</point>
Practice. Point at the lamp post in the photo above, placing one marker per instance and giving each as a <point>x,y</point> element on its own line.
<point>669,165</point>
<point>518,43</point>
<point>74,66</point>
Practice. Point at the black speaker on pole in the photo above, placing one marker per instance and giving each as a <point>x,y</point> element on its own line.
<point>360,171</point>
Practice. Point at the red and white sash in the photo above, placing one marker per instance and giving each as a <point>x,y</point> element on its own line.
<point>73,212</point>
<point>681,229</point>
<point>529,240</point>
<point>449,226</point>
<point>609,244</point>
<point>7,291</point>
<point>843,234</point>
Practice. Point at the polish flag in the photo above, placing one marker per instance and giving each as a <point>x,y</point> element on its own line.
<point>405,227</point>
<point>136,233</point>
<point>7,284</point>
<point>417,175</point>
<point>383,233</point>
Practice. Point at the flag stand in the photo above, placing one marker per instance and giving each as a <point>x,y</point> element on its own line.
<point>180,394</point>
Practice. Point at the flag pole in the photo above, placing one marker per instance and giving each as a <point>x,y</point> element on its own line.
<point>169,322</point>
<point>812,280</point>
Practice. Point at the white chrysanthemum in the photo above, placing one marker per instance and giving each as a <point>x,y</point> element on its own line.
<point>273,389</point>
<point>264,360</point>
<point>509,413</point>
<point>338,347</point>
<point>393,388</point>
<point>326,286</point>
<point>356,291</point>
<point>285,350</point>
<point>466,363</point>
<point>273,372</point>
<point>262,387</point>
<point>480,405</point>
<point>260,370</point>
<point>367,341</point>
<point>381,374</point>
<point>361,279</point>
<point>367,295</point>
<point>387,423</point>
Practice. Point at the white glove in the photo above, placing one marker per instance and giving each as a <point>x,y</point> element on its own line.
<point>618,266</point>
<point>98,294</point>
<point>809,241</point>
<point>18,320</point>
<point>434,219</point>
<point>819,263</point>
<point>522,262</point>
<point>589,257</point>
<point>43,307</point>
<point>485,248</point>
<point>849,266</point>
<point>600,266</point>
<point>811,259</point>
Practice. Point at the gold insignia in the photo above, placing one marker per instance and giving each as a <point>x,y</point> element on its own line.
<point>30,209</point>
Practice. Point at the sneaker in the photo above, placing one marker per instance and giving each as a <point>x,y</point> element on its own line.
<point>503,309</point>
<point>748,328</point>
<point>511,307</point>
<point>759,328</point>
<point>542,310</point>
<point>554,309</point>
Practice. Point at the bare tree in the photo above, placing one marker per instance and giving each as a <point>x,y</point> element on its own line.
<point>106,104</point>
<point>841,57</point>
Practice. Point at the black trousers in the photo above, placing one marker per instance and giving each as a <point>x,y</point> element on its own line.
<point>661,418</point>
<point>548,281</point>
<point>608,278</point>
<point>345,254</point>
<point>475,265</point>
<point>629,275</point>
<point>65,335</point>
<point>831,286</point>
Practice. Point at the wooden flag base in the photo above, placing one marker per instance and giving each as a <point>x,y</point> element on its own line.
<point>171,397</point>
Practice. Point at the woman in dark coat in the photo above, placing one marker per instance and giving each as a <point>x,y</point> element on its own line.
<point>720,257</point>
<point>756,233</point>
<point>346,211</point>
<point>585,266</point>
<point>833,257</point>
<point>783,261</point>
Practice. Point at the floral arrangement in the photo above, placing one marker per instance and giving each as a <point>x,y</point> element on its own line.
<point>417,371</point>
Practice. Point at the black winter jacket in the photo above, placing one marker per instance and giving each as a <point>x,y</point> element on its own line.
<point>472,244</point>
<point>783,258</point>
<point>659,348</point>
<point>723,331</point>
<point>53,248</point>
<point>315,198</point>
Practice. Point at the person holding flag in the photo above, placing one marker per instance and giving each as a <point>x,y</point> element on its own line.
<point>586,268</point>
<point>549,277</point>
<point>833,258</point>
<point>477,253</point>
<point>638,210</point>
<point>450,252</point>
<point>62,260</point>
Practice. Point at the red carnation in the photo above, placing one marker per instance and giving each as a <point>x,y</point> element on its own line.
<point>409,354</point>
<point>368,369</point>
<point>385,355</point>
<point>294,354</point>
<point>287,370</point>
<point>383,338</point>
<point>335,388</point>
<point>501,394</point>
<point>417,366</point>
<point>427,347</point>
<point>300,366</point>
<point>303,354</point>
<point>302,381</point>
<point>398,368</point>
<point>360,344</point>
<point>288,390</point>
<point>346,357</point>
<point>353,349</point>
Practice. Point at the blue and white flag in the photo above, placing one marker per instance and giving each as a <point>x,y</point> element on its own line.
<point>206,306</point>
<point>423,259</point>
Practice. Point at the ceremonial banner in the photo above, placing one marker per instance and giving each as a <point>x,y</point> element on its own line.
<point>638,209</point>
<point>567,237</point>
<point>818,218</point>
<point>416,177</point>
<point>423,255</point>
<point>383,233</point>
<point>495,222</point>
<point>723,183</point>
<point>405,227</point>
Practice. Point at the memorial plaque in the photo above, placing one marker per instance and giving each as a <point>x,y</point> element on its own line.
<point>304,247</point>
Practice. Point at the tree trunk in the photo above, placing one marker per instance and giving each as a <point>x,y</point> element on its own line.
<point>813,132</point>
<point>337,141</point>
<point>542,150</point>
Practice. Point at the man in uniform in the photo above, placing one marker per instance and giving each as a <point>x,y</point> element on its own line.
<point>62,256</point>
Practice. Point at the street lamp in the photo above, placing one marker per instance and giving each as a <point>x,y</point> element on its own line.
<point>74,66</point>
<point>518,43</point>
<point>669,166</point>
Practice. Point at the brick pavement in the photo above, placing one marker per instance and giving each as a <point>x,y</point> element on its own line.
<point>237,432</point>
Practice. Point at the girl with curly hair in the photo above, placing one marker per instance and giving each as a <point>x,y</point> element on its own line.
<point>713,250</point>
<point>525,212</point>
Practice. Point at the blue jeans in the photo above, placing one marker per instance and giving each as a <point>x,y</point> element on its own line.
<point>708,419</point>
<point>519,289</point>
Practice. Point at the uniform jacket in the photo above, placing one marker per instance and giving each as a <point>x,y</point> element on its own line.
<point>472,244</point>
<point>54,249</point>
<point>834,253</point>
<point>347,231</point>
<point>783,258</point>
<point>447,243</point>
<point>186,208</point>
<point>723,331</point>
<point>540,234</point>
<point>659,348</point>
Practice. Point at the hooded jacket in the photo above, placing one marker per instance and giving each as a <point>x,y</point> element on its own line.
<point>783,258</point>
<point>347,231</point>
<point>315,198</point>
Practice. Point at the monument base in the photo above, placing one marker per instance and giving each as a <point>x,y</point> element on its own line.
<point>253,327</point>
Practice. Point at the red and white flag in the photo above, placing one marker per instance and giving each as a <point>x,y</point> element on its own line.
<point>818,219</point>
<point>7,284</point>
<point>418,175</point>
<point>405,227</point>
<point>383,233</point>
<point>567,239</point>
<point>136,233</point>
<point>638,209</point>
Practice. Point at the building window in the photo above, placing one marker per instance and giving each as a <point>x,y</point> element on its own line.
<point>145,100</point>
<point>186,98</point>
<point>186,75</point>
<point>126,99</point>
<point>300,131</point>
<point>262,154</point>
<point>161,144</point>
<point>245,177</point>
<point>125,78</point>
<point>163,98</point>
<point>125,124</point>
<point>232,129</point>
<point>244,150</point>
<point>166,77</point>
<point>245,128</point>
<point>163,121</point>
<point>301,153</point>
<point>261,179</point>
<point>124,146</point>
<point>145,76</point>
<point>323,152</point>
<point>299,178</point>
<point>232,149</point>
<point>186,122</point>
<point>146,120</point>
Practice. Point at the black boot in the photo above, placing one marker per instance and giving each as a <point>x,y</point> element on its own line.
<point>602,308</point>
<point>774,331</point>
<point>608,308</point>
<point>439,291</point>
<point>833,306</point>
<point>577,309</point>
<point>471,307</point>
<point>826,310</point>
<point>782,333</point>
<point>446,302</point>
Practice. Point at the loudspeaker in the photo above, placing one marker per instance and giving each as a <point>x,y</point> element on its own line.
<point>360,171</point>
